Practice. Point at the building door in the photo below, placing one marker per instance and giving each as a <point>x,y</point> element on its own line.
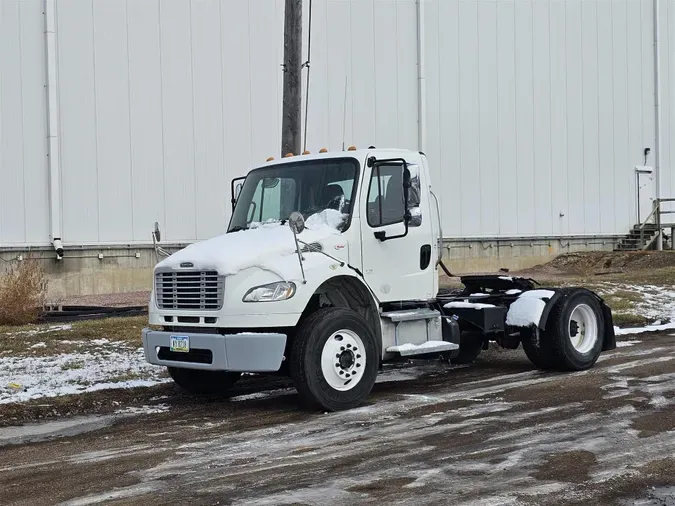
<point>646,192</point>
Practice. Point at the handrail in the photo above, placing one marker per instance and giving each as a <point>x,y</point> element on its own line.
<point>656,213</point>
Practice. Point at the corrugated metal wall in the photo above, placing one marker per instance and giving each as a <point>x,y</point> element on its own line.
<point>537,111</point>
<point>162,103</point>
<point>24,198</point>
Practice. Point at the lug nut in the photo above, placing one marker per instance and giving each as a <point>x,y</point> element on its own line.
<point>337,355</point>
<point>358,365</point>
<point>337,365</point>
<point>342,348</point>
<point>358,356</point>
<point>342,372</point>
<point>355,348</point>
<point>349,346</point>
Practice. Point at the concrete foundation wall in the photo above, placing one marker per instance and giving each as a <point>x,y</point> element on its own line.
<point>129,269</point>
<point>462,256</point>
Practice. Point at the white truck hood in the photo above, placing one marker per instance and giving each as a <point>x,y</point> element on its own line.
<point>269,246</point>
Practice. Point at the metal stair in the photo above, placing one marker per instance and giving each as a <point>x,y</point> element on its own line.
<point>639,239</point>
<point>645,236</point>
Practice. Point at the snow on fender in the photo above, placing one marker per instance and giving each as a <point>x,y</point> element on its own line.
<point>527,309</point>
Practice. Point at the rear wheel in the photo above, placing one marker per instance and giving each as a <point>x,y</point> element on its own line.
<point>197,381</point>
<point>334,359</point>
<point>541,356</point>
<point>574,333</point>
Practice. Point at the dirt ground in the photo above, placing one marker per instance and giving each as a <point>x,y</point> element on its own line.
<point>498,432</point>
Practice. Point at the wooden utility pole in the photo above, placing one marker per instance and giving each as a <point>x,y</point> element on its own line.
<point>291,133</point>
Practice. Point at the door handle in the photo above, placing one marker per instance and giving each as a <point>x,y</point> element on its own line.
<point>425,256</point>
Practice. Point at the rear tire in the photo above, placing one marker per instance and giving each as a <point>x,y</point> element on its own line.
<point>574,334</point>
<point>198,381</point>
<point>542,356</point>
<point>470,346</point>
<point>334,359</point>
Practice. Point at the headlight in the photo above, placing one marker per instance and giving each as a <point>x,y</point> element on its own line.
<point>270,293</point>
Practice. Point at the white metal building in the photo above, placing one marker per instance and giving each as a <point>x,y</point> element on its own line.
<point>115,114</point>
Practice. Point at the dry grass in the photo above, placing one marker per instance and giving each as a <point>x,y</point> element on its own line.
<point>75,337</point>
<point>23,291</point>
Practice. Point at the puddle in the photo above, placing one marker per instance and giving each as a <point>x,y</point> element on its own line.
<point>32,433</point>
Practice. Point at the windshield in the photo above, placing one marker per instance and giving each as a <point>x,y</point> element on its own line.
<point>272,194</point>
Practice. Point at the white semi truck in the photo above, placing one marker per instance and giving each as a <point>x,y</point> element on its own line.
<point>329,268</point>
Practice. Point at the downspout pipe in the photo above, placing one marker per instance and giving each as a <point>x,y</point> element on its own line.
<point>657,108</point>
<point>421,79</point>
<point>53,154</point>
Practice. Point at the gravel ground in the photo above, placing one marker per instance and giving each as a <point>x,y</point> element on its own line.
<point>498,433</point>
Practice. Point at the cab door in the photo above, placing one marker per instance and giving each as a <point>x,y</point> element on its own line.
<point>397,242</point>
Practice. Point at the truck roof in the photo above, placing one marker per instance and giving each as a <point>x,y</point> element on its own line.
<point>358,154</point>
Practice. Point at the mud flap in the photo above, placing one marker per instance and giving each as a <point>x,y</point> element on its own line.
<point>609,342</point>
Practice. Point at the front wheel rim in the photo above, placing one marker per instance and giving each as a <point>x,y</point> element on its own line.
<point>583,328</point>
<point>343,360</point>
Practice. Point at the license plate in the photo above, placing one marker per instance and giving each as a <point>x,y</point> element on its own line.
<point>180,344</point>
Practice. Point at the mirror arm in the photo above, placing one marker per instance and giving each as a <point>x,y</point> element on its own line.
<point>382,235</point>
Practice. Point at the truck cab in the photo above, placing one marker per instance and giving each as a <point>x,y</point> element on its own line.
<point>328,268</point>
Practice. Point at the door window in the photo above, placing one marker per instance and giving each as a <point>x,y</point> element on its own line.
<point>385,195</point>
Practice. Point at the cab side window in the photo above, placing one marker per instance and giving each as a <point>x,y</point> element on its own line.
<point>385,196</point>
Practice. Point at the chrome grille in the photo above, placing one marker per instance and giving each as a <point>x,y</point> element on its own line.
<point>196,290</point>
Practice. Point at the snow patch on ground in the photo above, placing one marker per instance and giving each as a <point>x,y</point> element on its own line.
<point>513,291</point>
<point>264,395</point>
<point>639,330</point>
<point>623,344</point>
<point>33,332</point>
<point>26,378</point>
<point>143,410</point>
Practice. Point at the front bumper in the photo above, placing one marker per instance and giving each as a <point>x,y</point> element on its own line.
<point>247,352</point>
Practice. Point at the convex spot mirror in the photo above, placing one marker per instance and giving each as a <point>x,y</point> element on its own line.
<point>297,222</point>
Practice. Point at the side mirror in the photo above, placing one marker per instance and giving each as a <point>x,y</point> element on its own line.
<point>237,190</point>
<point>157,234</point>
<point>406,194</point>
<point>297,222</point>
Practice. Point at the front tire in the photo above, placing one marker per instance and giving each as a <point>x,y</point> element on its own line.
<point>198,381</point>
<point>334,359</point>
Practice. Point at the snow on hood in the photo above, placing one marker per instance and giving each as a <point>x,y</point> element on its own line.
<point>264,245</point>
